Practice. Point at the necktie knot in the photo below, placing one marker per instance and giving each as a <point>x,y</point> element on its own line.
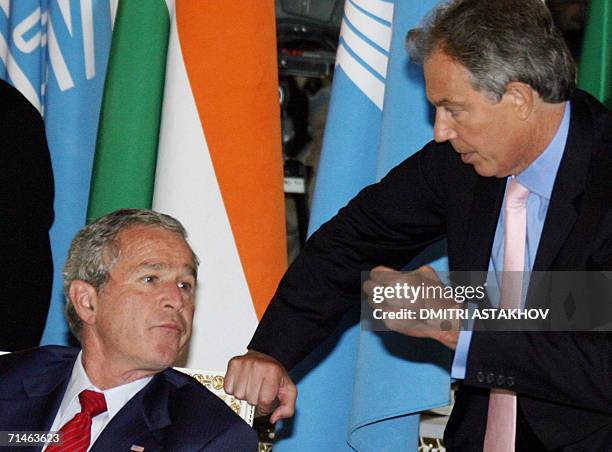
<point>92,402</point>
<point>76,433</point>
<point>516,196</point>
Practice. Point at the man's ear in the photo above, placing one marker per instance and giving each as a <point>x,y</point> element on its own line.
<point>523,98</point>
<point>84,298</point>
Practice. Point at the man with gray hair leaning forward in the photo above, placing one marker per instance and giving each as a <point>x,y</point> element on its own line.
<point>130,281</point>
<point>511,131</point>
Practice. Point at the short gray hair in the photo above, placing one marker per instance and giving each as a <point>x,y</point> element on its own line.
<point>95,250</point>
<point>500,42</point>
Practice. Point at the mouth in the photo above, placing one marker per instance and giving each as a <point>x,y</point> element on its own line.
<point>171,327</point>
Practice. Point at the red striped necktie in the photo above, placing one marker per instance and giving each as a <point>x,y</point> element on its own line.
<point>75,435</point>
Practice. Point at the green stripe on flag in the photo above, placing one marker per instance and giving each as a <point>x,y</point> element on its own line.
<point>595,73</point>
<point>126,150</point>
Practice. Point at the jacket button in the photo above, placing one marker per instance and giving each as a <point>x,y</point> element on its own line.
<point>500,380</point>
<point>510,381</point>
<point>480,377</point>
<point>490,377</point>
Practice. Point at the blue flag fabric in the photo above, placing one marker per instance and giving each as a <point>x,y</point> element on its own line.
<point>55,52</point>
<point>361,390</point>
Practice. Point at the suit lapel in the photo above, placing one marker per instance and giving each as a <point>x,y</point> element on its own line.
<point>34,407</point>
<point>46,392</point>
<point>484,213</point>
<point>140,422</point>
<point>569,185</point>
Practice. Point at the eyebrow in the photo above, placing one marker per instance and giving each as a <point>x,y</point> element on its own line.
<point>447,102</point>
<point>162,266</point>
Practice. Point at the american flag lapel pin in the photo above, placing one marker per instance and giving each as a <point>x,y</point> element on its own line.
<point>136,448</point>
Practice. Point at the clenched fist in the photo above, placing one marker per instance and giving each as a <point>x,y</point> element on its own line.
<point>263,381</point>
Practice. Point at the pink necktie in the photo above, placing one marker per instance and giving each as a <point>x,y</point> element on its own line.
<point>501,418</point>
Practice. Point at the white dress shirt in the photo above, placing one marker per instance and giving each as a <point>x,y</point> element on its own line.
<point>115,397</point>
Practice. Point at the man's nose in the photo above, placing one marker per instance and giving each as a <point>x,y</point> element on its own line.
<point>443,131</point>
<point>173,296</point>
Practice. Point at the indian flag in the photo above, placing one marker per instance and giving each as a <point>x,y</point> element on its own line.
<point>208,117</point>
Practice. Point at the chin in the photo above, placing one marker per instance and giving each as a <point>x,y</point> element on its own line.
<point>165,356</point>
<point>485,170</point>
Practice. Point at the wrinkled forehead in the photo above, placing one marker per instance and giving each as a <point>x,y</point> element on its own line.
<point>145,240</point>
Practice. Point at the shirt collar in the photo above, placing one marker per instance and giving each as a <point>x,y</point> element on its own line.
<point>115,397</point>
<point>79,381</point>
<point>539,177</point>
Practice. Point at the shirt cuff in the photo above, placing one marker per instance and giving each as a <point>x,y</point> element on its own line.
<point>461,353</point>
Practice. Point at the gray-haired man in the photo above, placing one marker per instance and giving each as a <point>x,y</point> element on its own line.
<point>503,86</point>
<point>130,281</point>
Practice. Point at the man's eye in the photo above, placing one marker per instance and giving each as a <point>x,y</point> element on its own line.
<point>185,285</point>
<point>453,113</point>
<point>149,279</point>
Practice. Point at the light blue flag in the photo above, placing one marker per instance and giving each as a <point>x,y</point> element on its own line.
<point>55,52</point>
<point>360,390</point>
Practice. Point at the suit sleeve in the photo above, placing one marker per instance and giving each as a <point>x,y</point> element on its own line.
<point>385,224</point>
<point>26,207</point>
<point>570,368</point>
<point>238,438</point>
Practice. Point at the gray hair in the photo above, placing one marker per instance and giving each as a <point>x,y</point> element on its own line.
<point>500,42</point>
<point>95,250</point>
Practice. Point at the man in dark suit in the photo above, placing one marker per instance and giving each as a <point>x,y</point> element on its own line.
<point>26,209</point>
<point>130,280</point>
<point>507,116</point>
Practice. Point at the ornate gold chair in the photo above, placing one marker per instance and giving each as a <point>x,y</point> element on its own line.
<point>213,381</point>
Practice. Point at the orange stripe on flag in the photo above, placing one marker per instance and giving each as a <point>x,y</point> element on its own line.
<point>229,49</point>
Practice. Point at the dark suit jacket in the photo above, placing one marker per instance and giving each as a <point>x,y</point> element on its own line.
<point>563,380</point>
<point>173,412</point>
<point>26,214</point>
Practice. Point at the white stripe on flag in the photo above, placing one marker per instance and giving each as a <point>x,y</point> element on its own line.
<point>62,74</point>
<point>186,187</point>
<point>88,38</point>
<point>372,56</point>
<point>378,8</point>
<point>375,31</point>
<point>64,7</point>
<point>372,87</point>
<point>18,77</point>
